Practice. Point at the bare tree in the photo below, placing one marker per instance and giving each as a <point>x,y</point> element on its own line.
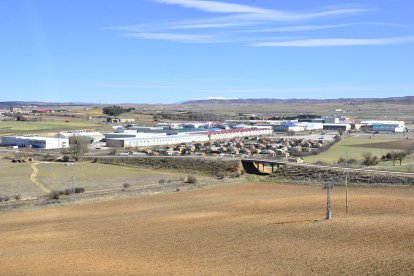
<point>79,146</point>
<point>401,156</point>
<point>394,156</point>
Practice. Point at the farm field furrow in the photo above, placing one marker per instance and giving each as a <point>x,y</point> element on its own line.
<point>256,229</point>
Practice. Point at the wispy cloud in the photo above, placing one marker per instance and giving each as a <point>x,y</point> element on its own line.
<point>150,86</point>
<point>242,23</point>
<point>327,42</point>
<point>303,28</point>
<point>216,7</point>
<point>188,38</point>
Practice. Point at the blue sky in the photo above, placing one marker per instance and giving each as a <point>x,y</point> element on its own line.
<point>166,51</point>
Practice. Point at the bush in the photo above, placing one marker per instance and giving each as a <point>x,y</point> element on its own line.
<point>220,174</point>
<point>17,196</point>
<point>4,198</point>
<point>65,158</point>
<point>352,161</point>
<point>369,159</point>
<point>190,179</point>
<point>126,185</point>
<point>234,175</point>
<point>79,190</point>
<point>162,181</point>
<point>54,195</point>
<point>349,161</point>
<point>341,160</point>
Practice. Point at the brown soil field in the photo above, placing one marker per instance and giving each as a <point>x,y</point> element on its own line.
<point>252,229</point>
<point>406,144</point>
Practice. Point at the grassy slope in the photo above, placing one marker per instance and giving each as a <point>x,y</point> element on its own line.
<point>346,147</point>
<point>25,128</point>
<point>96,176</point>
<point>15,179</point>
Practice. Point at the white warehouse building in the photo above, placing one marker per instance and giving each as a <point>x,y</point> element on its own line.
<point>385,126</point>
<point>35,142</point>
<point>165,140</point>
<point>240,132</point>
<point>132,135</point>
<point>194,137</point>
<point>95,136</point>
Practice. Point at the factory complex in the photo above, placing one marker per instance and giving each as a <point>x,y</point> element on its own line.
<point>162,134</point>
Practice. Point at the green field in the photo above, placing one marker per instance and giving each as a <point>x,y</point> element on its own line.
<point>347,148</point>
<point>26,128</point>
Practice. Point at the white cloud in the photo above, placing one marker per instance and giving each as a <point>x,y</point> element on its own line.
<point>155,86</point>
<point>215,6</point>
<point>326,42</point>
<point>240,20</point>
<point>299,28</point>
<point>302,28</point>
<point>188,38</point>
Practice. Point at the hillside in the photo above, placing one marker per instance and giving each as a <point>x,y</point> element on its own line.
<point>391,100</point>
<point>249,229</point>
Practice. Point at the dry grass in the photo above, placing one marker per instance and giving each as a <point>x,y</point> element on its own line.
<point>97,176</point>
<point>15,179</point>
<point>257,229</point>
<point>406,144</point>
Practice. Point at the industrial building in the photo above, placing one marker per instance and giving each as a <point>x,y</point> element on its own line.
<point>233,133</point>
<point>384,126</point>
<point>337,127</point>
<point>35,142</point>
<point>94,137</point>
<point>129,134</point>
<point>298,126</point>
<point>155,140</point>
<point>140,140</point>
<point>309,126</point>
<point>119,120</point>
<point>288,127</point>
<point>337,120</point>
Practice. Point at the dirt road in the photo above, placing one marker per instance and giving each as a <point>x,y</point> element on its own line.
<point>34,179</point>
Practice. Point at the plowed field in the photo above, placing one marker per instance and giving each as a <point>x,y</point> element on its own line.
<point>256,229</point>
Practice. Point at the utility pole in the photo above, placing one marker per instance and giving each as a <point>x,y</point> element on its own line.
<point>346,184</point>
<point>328,187</point>
<point>73,189</point>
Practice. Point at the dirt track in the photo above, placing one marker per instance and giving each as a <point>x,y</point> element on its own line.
<point>238,229</point>
<point>33,178</point>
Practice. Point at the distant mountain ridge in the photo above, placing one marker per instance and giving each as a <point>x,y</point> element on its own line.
<point>401,100</point>
<point>218,101</point>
